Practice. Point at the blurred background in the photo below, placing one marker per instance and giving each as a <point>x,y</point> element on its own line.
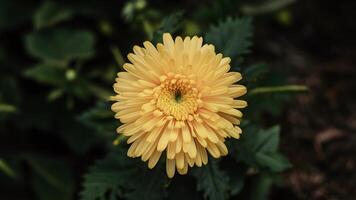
<point>58,61</point>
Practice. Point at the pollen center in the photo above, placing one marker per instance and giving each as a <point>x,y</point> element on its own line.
<point>177,96</point>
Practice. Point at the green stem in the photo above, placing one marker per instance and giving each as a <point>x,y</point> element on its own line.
<point>278,89</point>
<point>4,167</point>
<point>117,56</point>
<point>265,7</point>
<point>42,172</point>
<point>7,108</point>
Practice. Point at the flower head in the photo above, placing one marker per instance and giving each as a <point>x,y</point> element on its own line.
<point>179,99</point>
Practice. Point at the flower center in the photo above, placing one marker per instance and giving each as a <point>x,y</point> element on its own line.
<point>177,96</point>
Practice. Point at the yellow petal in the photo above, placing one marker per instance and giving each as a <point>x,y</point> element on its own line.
<point>180,160</point>
<point>170,167</point>
<point>163,142</point>
<point>154,159</point>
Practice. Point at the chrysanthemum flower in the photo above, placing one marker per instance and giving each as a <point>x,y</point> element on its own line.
<point>178,99</point>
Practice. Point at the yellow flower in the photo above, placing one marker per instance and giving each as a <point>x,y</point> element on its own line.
<point>178,98</point>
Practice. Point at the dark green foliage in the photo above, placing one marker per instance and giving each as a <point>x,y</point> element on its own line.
<point>51,178</point>
<point>236,178</point>
<point>260,186</point>
<point>107,176</point>
<point>60,44</point>
<point>97,117</point>
<point>56,76</point>
<point>274,161</point>
<point>49,14</point>
<point>260,76</point>
<point>259,148</point>
<point>212,181</point>
<point>118,176</point>
<point>217,10</point>
<point>231,37</point>
<point>46,74</point>
<point>253,73</point>
<point>170,24</point>
<point>13,15</point>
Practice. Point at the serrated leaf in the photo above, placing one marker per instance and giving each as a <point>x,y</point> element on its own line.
<point>148,184</point>
<point>213,11</point>
<point>276,162</point>
<point>45,73</point>
<point>212,181</point>
<point>99,119</point>
<point>259,148</point>
<point>49,14</point>
<point>107,175</point>
<point>170,24</point>
<point>267,140</point>
<point>60,44</point>
<point>119,176</point>
<point>231,37</point>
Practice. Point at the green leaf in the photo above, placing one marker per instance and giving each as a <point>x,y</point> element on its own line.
<point>267,140</point>
<point>60,45</point>
<point>120,176</point>
<point>50,13</point>
<point>100,92</point>
<point>213,11</point>
<point>231,37</point>
<point>46,73</point>
<point>276,162</point>
<point>105,176</point>
<point>147,184</point>
<point>170,24</point>
<point>81,138</point>
<point>131,7</point>
<point>259,148</point>
<point>7,108</point>
<point>55,94</point>
<point>213,181</point>
<point>99,120</point>
<point>66,79</point>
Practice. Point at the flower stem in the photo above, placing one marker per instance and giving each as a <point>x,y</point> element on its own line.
<point>278,89</point>
<point>4,167</point>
